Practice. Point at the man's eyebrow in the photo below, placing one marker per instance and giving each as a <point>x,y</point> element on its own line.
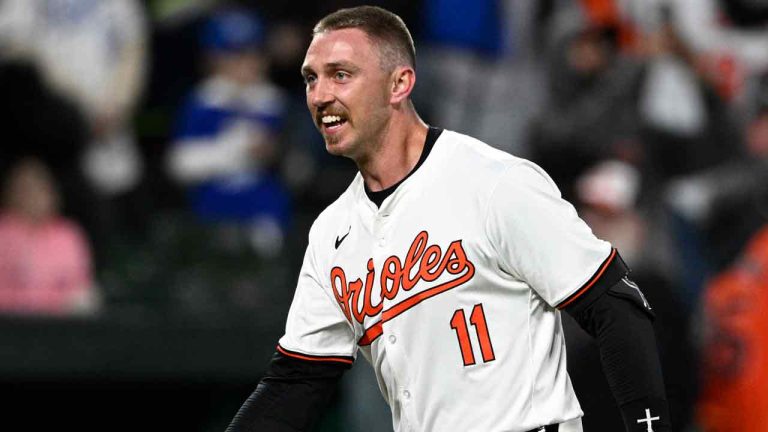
<point>306,69</point>
<point>341,65</point>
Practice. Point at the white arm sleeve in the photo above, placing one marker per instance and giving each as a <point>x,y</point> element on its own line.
<point>316,325</point>
<point>539,237</point>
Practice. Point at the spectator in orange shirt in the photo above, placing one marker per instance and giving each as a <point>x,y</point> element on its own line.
<point>45,260</point>
<point>735,381</point>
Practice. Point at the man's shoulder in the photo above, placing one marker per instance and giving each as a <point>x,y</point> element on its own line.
<point>465,152</point>
<point>490,168</point>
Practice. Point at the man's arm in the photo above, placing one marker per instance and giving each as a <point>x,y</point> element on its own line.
<point>615,312</point>
<point>291,396</point>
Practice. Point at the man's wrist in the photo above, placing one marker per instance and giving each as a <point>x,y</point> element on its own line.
<point>646,415</point>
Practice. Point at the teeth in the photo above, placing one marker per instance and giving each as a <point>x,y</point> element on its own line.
<point>331,119</point>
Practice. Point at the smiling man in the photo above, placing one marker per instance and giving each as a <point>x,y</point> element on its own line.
<point>446,264</point>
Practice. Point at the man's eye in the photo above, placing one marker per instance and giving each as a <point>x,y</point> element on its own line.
<point>341,76</point>
<point>309,79</point>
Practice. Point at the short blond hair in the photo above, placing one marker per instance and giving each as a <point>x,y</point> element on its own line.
<point>382,26</point>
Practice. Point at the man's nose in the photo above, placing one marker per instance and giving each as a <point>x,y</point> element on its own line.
<point>320,95</point>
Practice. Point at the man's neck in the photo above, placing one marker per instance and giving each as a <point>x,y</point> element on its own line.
<point>401,145</point>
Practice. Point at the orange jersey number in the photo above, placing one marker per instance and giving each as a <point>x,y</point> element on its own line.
<point>477,319</point>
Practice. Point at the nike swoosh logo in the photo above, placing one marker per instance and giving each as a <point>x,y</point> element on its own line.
<point>339,240</point>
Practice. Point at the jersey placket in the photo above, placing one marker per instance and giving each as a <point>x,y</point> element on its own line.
<point>391,339</point>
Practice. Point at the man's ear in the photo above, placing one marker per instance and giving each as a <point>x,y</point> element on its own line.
<point>403,80</point>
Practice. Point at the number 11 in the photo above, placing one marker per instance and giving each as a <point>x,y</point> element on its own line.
<point>477,319</point>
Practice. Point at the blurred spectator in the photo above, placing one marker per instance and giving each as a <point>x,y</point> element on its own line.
<point>92,53</point>
<point>463,40</point>
<point>671,100</point>
<point>36,122</point>
<point>649,102</point>
<point>728,203</point>
<point>303,146</point>
<point>730,36</point>
<point>480,58</point>
<point>728,39</point>
<point>226,142</point>
<point>45,261</point>
<point>735,378</point>
<point>687,124</point>
<point>592,111</point>
<point>608,194</point>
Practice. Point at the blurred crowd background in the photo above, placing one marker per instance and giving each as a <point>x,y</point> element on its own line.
<point>160,173</point>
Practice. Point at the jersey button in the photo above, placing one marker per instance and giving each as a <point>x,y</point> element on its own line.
<point>406,394</point>
<point>392,339</point>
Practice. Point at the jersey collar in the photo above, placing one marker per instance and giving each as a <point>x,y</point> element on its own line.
<point>378,197</point>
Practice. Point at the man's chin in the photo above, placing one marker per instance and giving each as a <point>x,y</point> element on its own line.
<point>335,149</point>
<point>335,146</point>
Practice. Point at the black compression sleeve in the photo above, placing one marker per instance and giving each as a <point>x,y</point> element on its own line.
<point>620,319</point>
<point>290,397</point>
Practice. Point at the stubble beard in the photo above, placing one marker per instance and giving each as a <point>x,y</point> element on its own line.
<point>331,142</point>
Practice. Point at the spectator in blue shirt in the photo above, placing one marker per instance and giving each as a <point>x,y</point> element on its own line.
<point>226,140</point>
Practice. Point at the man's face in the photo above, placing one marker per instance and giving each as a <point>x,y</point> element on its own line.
<point>347,91</point>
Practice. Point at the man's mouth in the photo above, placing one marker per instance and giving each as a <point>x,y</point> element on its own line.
<point>331,123</point>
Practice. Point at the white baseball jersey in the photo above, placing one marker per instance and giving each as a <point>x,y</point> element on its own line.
<point>450,289</point>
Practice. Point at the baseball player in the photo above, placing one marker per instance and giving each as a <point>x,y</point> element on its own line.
<point>446,264</point>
